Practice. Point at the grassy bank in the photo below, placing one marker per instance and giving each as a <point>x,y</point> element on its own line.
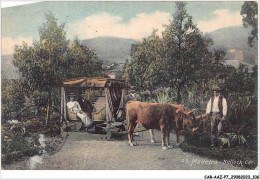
<point>243,155</point>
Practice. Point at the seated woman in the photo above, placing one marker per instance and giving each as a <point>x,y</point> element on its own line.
<point>74,107</point>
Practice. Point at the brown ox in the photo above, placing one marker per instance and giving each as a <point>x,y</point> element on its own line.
<point>186,118</point>
<point>163,117</point>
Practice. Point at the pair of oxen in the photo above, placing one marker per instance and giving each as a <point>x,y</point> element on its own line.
<point>163,117</point>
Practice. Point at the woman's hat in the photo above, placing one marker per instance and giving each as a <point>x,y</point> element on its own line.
<point>72,95</point>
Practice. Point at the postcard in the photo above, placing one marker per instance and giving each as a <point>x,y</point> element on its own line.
<point>130,85</point>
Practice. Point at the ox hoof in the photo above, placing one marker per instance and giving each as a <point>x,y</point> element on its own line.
<point>153,141</point>
<point>170,146</point>
<point>164,147</point>
<point>132,144</point>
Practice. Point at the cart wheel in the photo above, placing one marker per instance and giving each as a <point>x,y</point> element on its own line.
<point>108,136</point>
<point>77,125</point>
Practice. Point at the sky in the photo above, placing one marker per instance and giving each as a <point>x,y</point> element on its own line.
<point>131,20</point>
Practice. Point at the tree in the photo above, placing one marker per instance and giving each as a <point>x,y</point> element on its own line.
<point>250,18</point>
<point>52,59</point>
<point>44,64</point>
<point>180,59</point>
<point>82,61</point>
<point>120,73</point>
<point>187,51</point>
<point>13,96</point>
<point>145,69</point>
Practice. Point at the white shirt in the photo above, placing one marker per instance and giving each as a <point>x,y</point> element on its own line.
<point>215,108</point>
<point>74,106</point>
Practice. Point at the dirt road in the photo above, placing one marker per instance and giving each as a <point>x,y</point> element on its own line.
<point>90,152</point>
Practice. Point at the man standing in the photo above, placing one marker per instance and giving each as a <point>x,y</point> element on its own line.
<point>217,111</point>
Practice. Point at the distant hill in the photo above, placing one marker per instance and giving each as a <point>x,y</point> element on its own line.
<point>108,49</point>
<point>117,50</point>
<point>111,49</point>
<point>231,37</point>
<point>235,38</point>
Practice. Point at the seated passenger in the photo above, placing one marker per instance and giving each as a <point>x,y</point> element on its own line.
<point>86,106</point>
<point>74,107</point>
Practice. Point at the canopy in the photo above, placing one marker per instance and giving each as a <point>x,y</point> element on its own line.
<point>113,89</point>
<point>95,82</point>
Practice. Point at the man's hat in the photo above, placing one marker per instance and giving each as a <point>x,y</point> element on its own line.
<point>217,88</point>
<point>72,95</point>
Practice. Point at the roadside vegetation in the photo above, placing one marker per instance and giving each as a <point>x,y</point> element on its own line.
<point>31,104</point>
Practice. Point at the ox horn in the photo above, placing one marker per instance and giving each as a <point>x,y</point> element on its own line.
<point>178,110</point>
<point>188,113</point>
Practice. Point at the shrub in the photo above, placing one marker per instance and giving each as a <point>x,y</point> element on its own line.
<point>15,145</point>
<point>163,97</point>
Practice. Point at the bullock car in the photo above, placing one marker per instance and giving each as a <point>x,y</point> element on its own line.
<point>106,96</point>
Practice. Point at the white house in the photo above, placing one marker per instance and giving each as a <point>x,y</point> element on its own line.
<point>236,63</point>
